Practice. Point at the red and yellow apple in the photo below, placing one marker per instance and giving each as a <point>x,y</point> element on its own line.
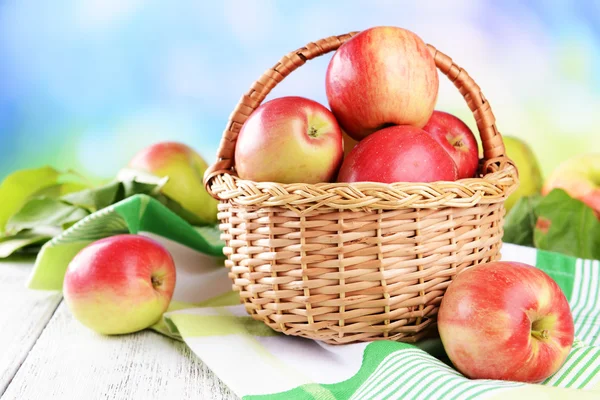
<point>399,153</point>
<point>289,140</point>
<point>185,169</point>
<point>580,178</point>
<point>457,139</point>
<point>383,76</point>
<point>507,321</point>
<point>120,284</point>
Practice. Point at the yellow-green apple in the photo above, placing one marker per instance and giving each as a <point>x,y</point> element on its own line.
<point>383,76</point>
<point>530,176</point>
<point>289,140</point>
<point>580,177</point>
<point>507,321</point>
<point>185,169</point>
<point>400,153</point>
<point>120,284</point>
<point>457,139</point>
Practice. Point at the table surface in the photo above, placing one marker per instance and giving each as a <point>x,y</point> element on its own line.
<point>47,354</point>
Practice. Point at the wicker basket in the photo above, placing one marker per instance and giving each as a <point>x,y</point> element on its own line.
<point>341,262</point>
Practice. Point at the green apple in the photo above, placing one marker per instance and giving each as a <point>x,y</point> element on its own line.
<point>579,176</point>
<point>185,169</point>
<point>530,176</point>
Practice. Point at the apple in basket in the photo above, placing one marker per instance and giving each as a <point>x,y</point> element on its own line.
<point>505,320</point>
<point>120,284</point>
<point>580,178</point>
<point>398,154</point>
<point>457,139</point>
<point>382,76</point>
<point>289,140</point>
<point>185,169</point>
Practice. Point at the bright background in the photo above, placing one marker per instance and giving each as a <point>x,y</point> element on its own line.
<point>84,84</point>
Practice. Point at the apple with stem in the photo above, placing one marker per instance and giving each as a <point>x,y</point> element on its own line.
<point>120,284</point>
<point>507,321</point>
<point>383,76</point>
<point>457,139</point>
<point>289,140</point>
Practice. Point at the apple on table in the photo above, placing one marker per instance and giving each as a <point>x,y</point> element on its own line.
<point>507,321</point>
<point>383,76</point>
<point>580,177</point>
<point>289,140</point>
<point>120,284</point>
<point>185,169</point>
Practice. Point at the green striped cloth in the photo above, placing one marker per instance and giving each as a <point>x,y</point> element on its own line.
<point>258,363</point>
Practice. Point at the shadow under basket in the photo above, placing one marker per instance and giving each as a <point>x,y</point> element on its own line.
<point>350,262</point>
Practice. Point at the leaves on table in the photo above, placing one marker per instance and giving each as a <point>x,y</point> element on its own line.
<point>60,189</point>
<point>22,241</point>
<point>520,221</point>
<point>47,198</point>
<point>19,186</point>
<point>567,225</point>
<point>556,222</point>
<point>45,212</point>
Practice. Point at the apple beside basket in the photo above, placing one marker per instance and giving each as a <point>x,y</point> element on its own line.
<point>350,262</point>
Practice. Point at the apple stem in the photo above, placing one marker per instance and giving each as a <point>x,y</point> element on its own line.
<point>456,142</point>
<point>156,281</point>
<point>543,334</point>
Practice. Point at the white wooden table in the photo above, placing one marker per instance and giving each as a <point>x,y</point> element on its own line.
<point>46,354</point>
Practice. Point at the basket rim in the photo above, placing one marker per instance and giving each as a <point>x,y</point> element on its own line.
<point>490,188</point>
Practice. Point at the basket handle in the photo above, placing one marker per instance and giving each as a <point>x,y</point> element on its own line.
<point>494,154</point>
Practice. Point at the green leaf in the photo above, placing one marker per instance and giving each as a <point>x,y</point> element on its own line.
<point>520,221</point>
<point>21,241</point>
<point>567,226</point>
<point>97,198</point>
<point>60,189</point>
<point>133,187</point>
<point>19,186</point>
<point>44,212</point>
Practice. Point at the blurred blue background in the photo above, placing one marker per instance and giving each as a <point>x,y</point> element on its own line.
<point>84,84</point>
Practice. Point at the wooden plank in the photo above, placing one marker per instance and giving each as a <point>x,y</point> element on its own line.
<point>71,362</point>
<point>24,315</point>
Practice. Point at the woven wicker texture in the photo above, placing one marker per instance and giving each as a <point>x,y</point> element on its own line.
<point>362,261</point>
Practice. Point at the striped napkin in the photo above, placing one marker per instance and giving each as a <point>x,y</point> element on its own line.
<point>258,363</point>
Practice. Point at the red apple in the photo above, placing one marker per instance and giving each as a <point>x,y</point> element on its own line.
<point>120,284</point>
<point>580,178</point>
<point>289,140</point>
<point>507,321</point>
<point>398,154</point>
<point>349,143</point>
<point>185,169</point>
<point>383,76</point>
<point>457,139</point>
